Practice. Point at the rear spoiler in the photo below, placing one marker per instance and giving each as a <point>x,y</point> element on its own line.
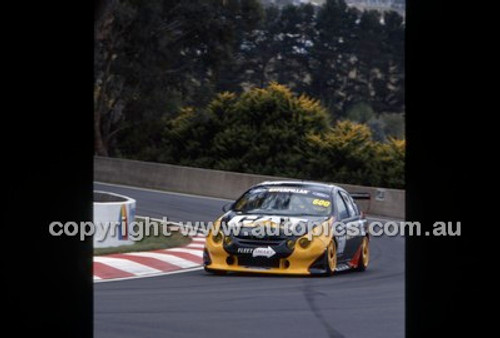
<point>360,195</point>
<point>363,206</point>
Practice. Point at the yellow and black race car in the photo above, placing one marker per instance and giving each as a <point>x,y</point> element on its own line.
<point>289,227</point>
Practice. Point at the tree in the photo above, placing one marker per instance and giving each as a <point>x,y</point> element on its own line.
<point>332,58</point>
<point>343,154</point>
<point>152,58</point>
<point>185,82</point>
<point>110,27</point>
<point>390,163</point>
<point>273,131</point>
<point>261,131</point>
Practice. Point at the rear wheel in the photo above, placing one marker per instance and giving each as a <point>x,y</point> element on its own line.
<point>331,256</point>
<point>364,258</point>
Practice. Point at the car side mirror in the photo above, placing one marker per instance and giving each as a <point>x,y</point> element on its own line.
<point>227,206</point>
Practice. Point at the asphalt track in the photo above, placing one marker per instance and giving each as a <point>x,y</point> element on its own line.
<point>197,304</point>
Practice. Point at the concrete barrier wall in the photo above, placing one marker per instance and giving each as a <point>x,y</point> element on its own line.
<point>113,209</point>
<point>222,184</point>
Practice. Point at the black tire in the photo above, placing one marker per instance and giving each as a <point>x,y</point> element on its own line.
<point>329,264</point>
<point>364,256</point>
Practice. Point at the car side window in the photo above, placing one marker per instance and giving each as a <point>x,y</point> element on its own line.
<point>341,207</point>
<point>356,207</point>
<point>350,207</point>
<point>353,204</point>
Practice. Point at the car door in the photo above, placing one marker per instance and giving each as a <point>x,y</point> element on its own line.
<point>354,222</point>
<point>342,217</point>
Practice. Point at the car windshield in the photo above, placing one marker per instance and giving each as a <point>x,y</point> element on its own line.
<point>291,201</point>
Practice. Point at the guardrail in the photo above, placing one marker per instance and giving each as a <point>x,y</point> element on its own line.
<point>224,184</point>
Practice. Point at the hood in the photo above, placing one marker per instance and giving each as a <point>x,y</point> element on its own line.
<point>241,224</point>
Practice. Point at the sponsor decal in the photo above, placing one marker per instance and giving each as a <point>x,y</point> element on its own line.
<point>294,190</point>
<point>263,252</point>
<point>245,250</point>
<point>249,220</point>
<point>259,268</point>
<point>342,267</point>
<point>123,221</point>
<point>320,194</point>
<point>131,212</point>
<point>380,194</point>
<point>270,221</point>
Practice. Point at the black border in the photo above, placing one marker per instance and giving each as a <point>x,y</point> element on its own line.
<point>439,173</point>
<point>50,152</point>
<point>49,138</point>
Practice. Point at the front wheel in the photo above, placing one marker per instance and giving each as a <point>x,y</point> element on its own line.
<point>331,256</point>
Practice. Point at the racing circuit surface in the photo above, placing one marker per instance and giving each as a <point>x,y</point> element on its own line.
<point>197,304</point>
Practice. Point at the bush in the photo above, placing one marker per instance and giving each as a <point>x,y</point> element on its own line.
<point>271,131</point>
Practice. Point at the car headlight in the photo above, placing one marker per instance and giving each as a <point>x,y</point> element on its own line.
<point>217,237</point>
<point>228,240</point>
<point>290,244</point>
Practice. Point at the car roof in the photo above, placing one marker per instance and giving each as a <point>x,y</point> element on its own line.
<point>300,183</point>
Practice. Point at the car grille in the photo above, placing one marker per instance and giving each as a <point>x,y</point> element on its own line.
<point>261,262</point>
<point>263,241</point>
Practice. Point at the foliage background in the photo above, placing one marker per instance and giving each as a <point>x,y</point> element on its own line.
<point>314,92</point>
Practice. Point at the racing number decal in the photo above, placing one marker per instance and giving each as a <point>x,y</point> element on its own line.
<point>321,203</point>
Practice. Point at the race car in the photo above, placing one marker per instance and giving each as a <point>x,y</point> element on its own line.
<point>289,227</point>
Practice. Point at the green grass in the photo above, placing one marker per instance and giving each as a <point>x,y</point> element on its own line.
<point>147,243</point>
